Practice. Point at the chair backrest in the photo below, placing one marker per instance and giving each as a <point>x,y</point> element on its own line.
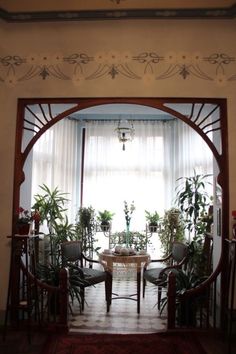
<point>179,251</point>
<point>71,251</point>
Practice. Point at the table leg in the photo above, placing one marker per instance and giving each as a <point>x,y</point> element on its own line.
<point>108,289</point>
<point>138,289</point>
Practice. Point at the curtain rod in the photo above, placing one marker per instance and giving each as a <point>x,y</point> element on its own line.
<point>117,119</point>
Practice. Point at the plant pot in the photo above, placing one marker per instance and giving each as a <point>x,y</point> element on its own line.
<point>152,228</point>
<point>23,228</point>
<point>105,227</point>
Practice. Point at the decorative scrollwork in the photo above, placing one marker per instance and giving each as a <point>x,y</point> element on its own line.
<point>148,66</point>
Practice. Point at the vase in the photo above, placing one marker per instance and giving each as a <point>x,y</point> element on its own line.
<point>127,234</point>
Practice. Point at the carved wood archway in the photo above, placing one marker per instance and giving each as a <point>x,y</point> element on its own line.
<point>197,110</point>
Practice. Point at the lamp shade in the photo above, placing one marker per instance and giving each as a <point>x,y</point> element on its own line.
<point>125,131</point>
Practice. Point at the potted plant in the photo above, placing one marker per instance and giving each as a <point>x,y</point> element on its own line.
<point>50,274</point>
<point>105,217</point>
<point>25,219</point>
<point>152,219</point>
<point>85,230</point>
<point>51,206</point>
<point>194,201</point>
<point>186,308</point>
<point>171,228</point>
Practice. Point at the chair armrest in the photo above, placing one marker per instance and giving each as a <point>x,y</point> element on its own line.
<point>176,266</point>
<point>90,259</point>
<point>104,264</point>
<point>162,260</point>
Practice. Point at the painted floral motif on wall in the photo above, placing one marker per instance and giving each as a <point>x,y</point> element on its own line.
<point>148,67</point>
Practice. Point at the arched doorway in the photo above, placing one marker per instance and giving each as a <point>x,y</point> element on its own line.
<point>194,112</point>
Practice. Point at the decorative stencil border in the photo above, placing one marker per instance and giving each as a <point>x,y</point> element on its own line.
<point>148,67</point>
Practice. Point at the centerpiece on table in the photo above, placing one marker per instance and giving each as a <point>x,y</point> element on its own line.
<point>128,210</point>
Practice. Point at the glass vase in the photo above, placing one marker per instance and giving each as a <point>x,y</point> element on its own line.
<point>127,238</point>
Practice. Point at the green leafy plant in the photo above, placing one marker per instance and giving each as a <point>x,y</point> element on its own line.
<point>50,274</point>
<point>152,218</point>
<point>50,205</point>
<point>186,308</point>
<point>171,228</point>
<point>85,230</point>
<point>137,240</point>
<point>64,230</point>
<point>86,217</point>
<point>105,217</point>
<point>194,201</point>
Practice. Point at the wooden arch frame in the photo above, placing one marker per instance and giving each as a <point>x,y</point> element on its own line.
<point>195,118</point>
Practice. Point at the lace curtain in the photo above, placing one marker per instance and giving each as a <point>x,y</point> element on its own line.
<point>145,172</point>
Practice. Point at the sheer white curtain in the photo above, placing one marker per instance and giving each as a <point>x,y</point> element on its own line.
<point>112,175</point>
<point>145,172</point>
<point>56,160</point>
<point>185,151</point>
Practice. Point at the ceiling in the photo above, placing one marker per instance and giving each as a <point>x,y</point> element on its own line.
<point>124,111</point>
<point>76,10</point>
<point>120,112</point>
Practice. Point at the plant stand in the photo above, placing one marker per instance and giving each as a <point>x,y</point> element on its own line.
<point>22,293</point>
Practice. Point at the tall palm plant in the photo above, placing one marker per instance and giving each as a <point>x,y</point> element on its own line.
<point>193,200</point>
<point>50,205</point>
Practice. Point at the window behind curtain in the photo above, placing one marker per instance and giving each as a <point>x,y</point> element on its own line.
<point>145,172</point>
<point>56,162</point>
<point>112,175</point>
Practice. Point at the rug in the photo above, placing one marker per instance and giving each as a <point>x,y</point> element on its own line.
<point>160,343</point>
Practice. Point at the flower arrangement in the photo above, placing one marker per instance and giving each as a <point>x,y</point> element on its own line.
<point>25,216</point>
<point>128,210</point>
